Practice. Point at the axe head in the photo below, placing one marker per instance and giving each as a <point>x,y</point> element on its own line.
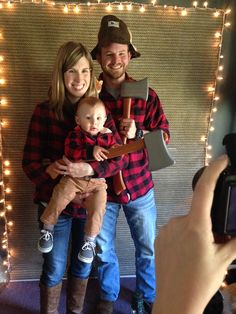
<point>135,89</point>
<point>158,154</point>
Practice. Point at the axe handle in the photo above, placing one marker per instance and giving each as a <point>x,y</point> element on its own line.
<point>126,114</point>
<point>118,181</point>
<point>126,148</point>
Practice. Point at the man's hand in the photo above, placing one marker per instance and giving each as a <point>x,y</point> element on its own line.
<point>77,169</point>
<point>127,128</point>
<point>56,168</point>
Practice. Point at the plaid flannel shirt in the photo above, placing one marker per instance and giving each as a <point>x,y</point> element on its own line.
<point>148,115</point>
<point>79,144</point>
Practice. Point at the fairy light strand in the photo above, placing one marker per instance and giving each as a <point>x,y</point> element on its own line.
<point>214,88</point>
<point>5,206</point>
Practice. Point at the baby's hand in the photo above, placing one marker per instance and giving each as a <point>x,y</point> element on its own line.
<point>99,153</point>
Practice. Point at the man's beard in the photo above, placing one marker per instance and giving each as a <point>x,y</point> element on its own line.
<point>113,74</point>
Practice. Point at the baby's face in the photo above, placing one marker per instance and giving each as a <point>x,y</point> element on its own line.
<point>91,118</point>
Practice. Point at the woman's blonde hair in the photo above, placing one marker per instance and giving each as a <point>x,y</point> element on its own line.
<point>68,55</point>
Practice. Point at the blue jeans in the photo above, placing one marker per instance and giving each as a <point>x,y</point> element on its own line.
<point>141,216</point>
<point>55,262</point>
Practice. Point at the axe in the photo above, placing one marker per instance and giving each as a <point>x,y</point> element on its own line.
<point>129,90</point>
<point>158,154</point>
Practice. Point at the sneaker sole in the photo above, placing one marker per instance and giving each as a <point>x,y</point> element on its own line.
<point>85,260</point>
<point>44,250</point>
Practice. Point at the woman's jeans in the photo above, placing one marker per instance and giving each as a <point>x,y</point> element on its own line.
<point>141,217</point>
<point>55,262</point>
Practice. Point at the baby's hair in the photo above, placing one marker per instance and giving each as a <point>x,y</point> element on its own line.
<point>91,101</point>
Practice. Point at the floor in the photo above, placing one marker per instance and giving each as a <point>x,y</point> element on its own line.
<point>23,297</point>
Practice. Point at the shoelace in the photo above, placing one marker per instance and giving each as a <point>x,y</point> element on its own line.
<point>46,235</point>
<point>89,246</point>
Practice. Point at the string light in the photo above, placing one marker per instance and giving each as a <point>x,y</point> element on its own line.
<point>109,7</point>
<point>9,4</point>
<point>8,190</point>
<point>184,12</point>
<point>129,7</point>
<point>120,7</point>
<point>7,163</point>
<point>9,207</point>
<point>66,9</point>
<point>3,102</point>
<point>142,9</point>
<point>77,9</point>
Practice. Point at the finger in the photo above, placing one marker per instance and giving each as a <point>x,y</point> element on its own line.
<point>103,156</point>
<point>204,190</point>
<point>229,250</point>
<point>104,150</point>
<point>97,156</point>
<point>66,160</point>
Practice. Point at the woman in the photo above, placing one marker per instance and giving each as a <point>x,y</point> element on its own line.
<point>72,78</point>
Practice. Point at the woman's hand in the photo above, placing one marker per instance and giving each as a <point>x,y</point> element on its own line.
<point>190,266</point>
<point>77,169</point>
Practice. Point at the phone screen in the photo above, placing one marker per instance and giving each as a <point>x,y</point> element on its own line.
<point>231,219</point>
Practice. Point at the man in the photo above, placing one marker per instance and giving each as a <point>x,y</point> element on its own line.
<point>114,52</point>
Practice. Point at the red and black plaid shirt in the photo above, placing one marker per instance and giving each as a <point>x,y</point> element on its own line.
<point>79,144</point>
<point>148,115</point>
<point>45,141</point>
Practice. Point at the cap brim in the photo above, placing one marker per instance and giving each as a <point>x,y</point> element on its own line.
<point>134,52</point>
<point>94,52</point>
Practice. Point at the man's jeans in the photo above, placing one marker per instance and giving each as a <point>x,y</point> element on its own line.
<point>55,262</point>
<point>141,217</point>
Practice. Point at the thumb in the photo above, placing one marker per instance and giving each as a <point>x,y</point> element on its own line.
<point>229,250</point>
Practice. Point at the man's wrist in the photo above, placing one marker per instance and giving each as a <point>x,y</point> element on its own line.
<point>138,134</point>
